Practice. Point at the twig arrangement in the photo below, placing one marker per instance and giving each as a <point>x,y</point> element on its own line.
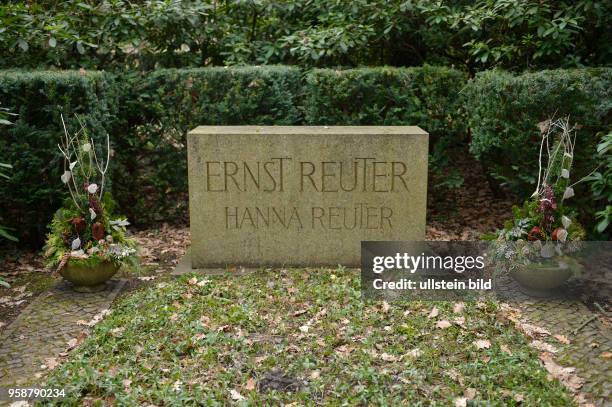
<point>81,160</point>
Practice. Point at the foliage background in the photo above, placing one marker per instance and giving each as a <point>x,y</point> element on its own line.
<point>470,35</point>
<point>151,70</point>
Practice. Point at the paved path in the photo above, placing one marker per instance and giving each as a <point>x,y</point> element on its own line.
<point>44,327</point>
<point>587,343</point>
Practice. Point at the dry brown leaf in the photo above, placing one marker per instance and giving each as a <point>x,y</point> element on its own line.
<point>543,346</point>
<point>606,355</point>
<point>443,324</point>
<point>250,384</point>
<point>414,353</point>
<point>469,393</point>
<point>456,376</point>
<point>533,331</point>
<point>433,313</point>
<point>300,312</point>
<point>506,349</point>
<point>519,398</point>
<point>460,321</point>
<point>235,395</point>
<point>482,344</point>
<point>458,307</point>
<point>127,383</point>
<point>385,307</point>
<point>562,338</point>
<point>72,343</point>
<point>460,402</point>
<point>50,363</point>
<point>388,358</point>
<point>565,375</point>
<point>344,350</point>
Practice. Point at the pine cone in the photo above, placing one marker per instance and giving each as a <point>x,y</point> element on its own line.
<point>535,234</point>
<point>94,204</point>
<point>97,231</point>
<point>79,224</point>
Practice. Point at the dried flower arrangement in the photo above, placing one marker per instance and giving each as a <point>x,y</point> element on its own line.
<point>84,230</point>
<point>545,227</point>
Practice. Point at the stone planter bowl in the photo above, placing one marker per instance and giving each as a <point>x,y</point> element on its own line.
<point>89,279</point>
<point>541,279</point>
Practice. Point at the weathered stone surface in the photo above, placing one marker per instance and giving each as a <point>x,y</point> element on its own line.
<point>303,195</point>
<point>43,329</point>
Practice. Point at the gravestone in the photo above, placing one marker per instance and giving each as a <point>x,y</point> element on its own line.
<point>303,196</point>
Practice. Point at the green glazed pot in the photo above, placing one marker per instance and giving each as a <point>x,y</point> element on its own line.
<point>89,279</point>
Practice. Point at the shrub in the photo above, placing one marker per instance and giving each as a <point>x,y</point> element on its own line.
<point>600,183</point>
<point>159,108</point>
<point>504,111</point>
<point>423,96</point>
<point>30,144</point>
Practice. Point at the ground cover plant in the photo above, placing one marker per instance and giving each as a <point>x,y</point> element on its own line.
<point>300,336</point>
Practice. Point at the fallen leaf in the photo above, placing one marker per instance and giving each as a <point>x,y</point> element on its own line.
<point>202,283</point>
<point>72,343</point>
<point>96,318</point>
<point>344,350</point>
<point>469,393</point>
<point>388,358</point>
<point>315,374</point>
<point>594,345</point>
<point>460,321</point>
<point>519,398</point>
<point>434,312</point>
<point>543,346</point>
<point>193,281</point>
<point>443,324</point>
<point>19,403</point>
<point>250,384</point>
<point>300,312</point>
<point>458,307</point>
<point>414,353</point>
<point>456,376</point>
<point>304,328</point>
<point>127,383</point>
<point>606,355</point>
<point>147,278</point>
<point>51,363</point>
<point>533,331</point>
<point>562,338</point>
<point>235,395</point>
<point>565,375</point>
<point>506,349</point>
<point>176,386</point>
<point>460,402</point>
<point>482,344</point>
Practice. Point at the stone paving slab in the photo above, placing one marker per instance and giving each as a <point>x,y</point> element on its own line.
<point>44,327</point>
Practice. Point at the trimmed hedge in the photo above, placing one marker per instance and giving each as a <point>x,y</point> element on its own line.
<point>160,107</point>
<point>34,191</point>
<point>423,96</point>
<point>149,114</point>
<point>504,110</point>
